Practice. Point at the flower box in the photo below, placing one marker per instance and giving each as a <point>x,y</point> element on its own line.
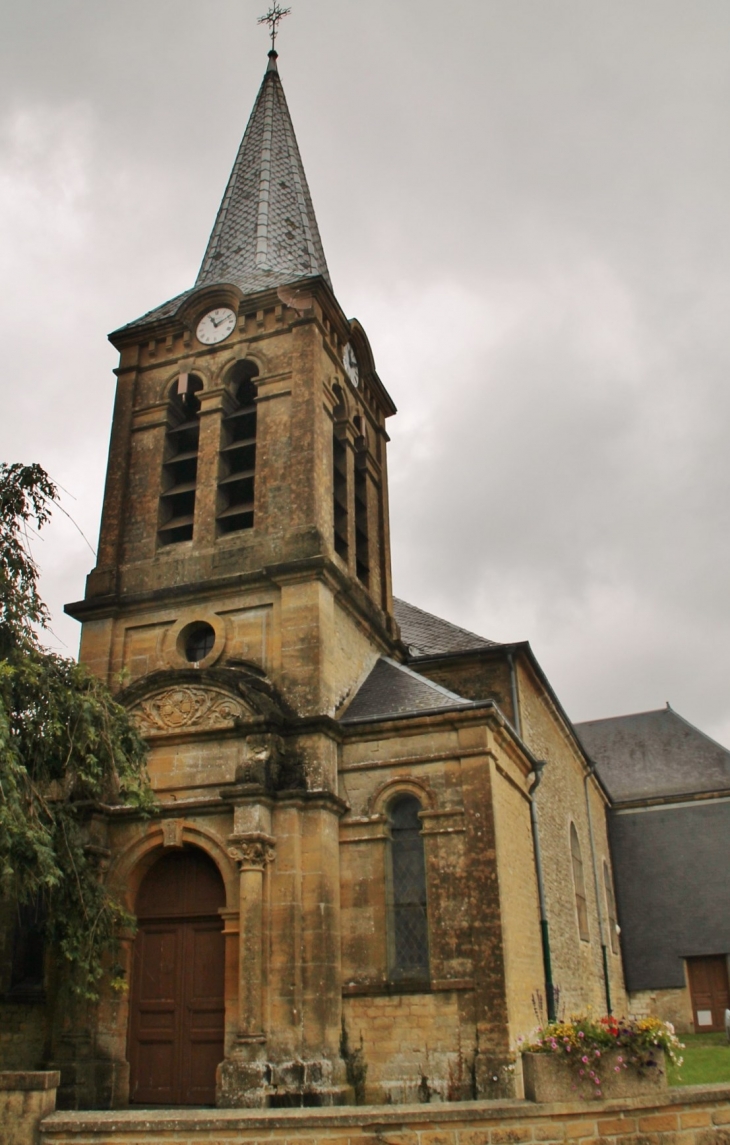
<point>550,1077</point>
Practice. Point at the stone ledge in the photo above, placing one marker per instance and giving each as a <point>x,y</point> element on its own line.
<point>375,1117</point>
<point>29,1079</point>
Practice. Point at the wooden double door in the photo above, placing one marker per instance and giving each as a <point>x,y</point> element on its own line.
<point>177,998</point>
<point>708,984</point>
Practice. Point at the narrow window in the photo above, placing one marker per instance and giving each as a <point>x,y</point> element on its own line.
<point>180,465</point>
<point>238,454</point>
<point>27,972</point>
<point>611,905</point>
<point>339,480</point>
<point>408,938</point>
<point>362,542</point>
<point>581,905</point>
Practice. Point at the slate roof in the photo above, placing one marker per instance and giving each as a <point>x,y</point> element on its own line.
<point>654,754</point>
<point>426,635</point>
<point>266,232</point>
<point>392,690</point>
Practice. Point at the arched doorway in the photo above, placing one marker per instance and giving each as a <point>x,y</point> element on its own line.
<point>177,1007</point>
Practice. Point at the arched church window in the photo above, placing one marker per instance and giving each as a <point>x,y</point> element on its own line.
<point>579,885</point>
<point>362,539</point>
<point>180,464</point>
<point>339,477</point>
<point>611,908</point>
<point>238,453</point>
<point>408,929</point>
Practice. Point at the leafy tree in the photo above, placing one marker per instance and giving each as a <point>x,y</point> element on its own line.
<point>67,749</point>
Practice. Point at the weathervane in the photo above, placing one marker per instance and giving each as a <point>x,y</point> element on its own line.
<point>273,18</point>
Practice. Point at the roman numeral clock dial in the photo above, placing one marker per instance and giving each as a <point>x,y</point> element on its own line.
<point>215,326</point>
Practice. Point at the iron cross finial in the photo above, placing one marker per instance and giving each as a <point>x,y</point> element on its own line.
<point>273,18</point>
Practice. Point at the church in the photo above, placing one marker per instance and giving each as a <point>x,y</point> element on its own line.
<point>380,851</point>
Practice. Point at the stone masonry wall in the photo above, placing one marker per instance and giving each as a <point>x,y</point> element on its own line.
<point>22,1034</point>
<point>673,1006</point>
<point>560,800</point>
<point>412,1045</point>
<point>690,1116</point>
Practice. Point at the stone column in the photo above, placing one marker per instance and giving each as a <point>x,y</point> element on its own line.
<point>243,1079</point>
<point>252,853</point>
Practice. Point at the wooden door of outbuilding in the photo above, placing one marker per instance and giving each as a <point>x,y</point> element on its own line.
<point>177,1000</point>
<point>708,984</point>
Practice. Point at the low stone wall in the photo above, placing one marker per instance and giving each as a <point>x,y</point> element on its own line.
<point>699,1115</point>
<point>25,1099</point>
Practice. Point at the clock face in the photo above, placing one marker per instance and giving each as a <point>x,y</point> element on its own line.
<point>349,361</point>
<point>215,326</point>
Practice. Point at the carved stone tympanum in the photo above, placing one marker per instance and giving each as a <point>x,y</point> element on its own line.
<point>187,706</point>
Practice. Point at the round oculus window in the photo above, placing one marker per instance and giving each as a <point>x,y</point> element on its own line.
<point>198,642</point>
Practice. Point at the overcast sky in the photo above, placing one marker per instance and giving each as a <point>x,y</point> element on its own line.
<point>525,202</point>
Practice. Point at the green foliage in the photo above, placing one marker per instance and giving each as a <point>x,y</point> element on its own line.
<point>66,750</point>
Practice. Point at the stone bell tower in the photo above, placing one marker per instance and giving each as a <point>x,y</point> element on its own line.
<point>248,454</point>
<point>242,593</point>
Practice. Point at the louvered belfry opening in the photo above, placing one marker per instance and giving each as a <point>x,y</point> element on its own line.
<point>237,479</point>
<point>339,477</point>
<point>362,540</point>
<point>180,464</point>
<point>408,916</point>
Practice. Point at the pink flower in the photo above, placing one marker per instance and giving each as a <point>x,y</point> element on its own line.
<point>598,1053</point>
<point>581,1034</point>
<point>584,1059</point>
<point>582,1071</point>
<point>619,1059</point>
<point>617,1069</point>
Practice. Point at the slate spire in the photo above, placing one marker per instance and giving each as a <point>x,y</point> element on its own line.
<point>266,233</point>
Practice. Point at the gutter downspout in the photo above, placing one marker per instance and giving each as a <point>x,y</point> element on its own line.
<point>596,884</point>
<point>544,931</point>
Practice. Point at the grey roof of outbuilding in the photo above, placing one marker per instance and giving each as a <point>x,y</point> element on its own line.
<point>392,690</point>
<point>426,635</point>
<point>654,754</point>
<point>266,234</point>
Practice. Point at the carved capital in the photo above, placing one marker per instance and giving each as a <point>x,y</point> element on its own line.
<point>252,852</point>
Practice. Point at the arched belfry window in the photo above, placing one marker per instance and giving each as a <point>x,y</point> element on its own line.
<point>581,905</point>
<point>238,453</point>
<point>408,920</point>
<point>339,477</point>
<point>180,463</point>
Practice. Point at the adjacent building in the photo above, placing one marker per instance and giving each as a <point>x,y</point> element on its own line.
<point>670,838</point>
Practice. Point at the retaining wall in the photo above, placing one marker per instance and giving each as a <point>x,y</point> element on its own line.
<point>699,1115</point>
